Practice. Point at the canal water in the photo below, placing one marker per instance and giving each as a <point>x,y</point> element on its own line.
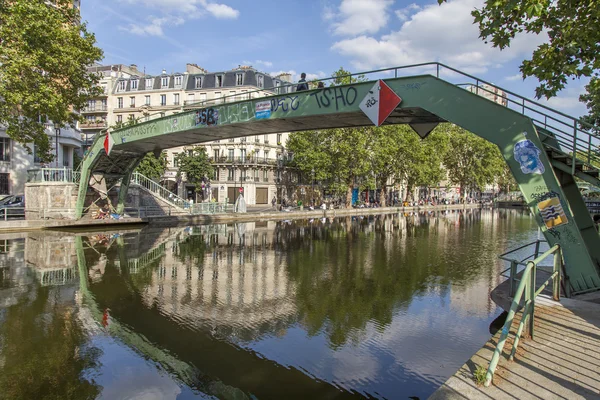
<point>360,307</point>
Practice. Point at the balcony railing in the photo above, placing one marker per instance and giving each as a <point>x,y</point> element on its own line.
<point>95,109</point>
<point>248,160</point>
<point>53,175</point>
<point>92,125</point>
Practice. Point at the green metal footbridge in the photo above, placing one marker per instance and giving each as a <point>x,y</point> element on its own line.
<point>545,149</point>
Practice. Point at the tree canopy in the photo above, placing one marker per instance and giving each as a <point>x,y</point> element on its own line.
<point>374,157</point>
<point>571,51</point>
<point>195,164</point>
<point>153,167</point>
<point>44,53</point>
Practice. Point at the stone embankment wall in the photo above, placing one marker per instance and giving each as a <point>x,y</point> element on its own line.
<point>50,200</point>
<point>57,200</point>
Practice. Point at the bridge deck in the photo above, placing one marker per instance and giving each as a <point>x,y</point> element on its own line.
<point>561,363</point>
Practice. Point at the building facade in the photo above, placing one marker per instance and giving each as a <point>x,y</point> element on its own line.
<point>16,161</point>
<point>96,114</point>
<point>254,164</point>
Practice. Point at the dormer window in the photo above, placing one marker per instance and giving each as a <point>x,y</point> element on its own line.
<point>134,84</point>
<point>164,81</point>
<point>149,83</point>
<point>198,82</point>
<point>178,80</point>
<point>219,81</point>
<point>122,86</point>
<point>239,79</point>
<point>260,81</point>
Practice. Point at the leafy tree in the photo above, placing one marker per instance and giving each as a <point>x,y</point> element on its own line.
<point>385,148</point>
<point>592,101</point>
<point>506,181</point>
<point>44,53</point>
<point>339,156</point>
<point>153,167</point>
<point>195,164</point>
<point>572,49</point>
<point>341,77</point>
<point>472,162</point>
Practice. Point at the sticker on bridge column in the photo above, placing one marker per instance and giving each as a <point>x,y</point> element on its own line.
<point>552,212</point>
<point>379,102</point>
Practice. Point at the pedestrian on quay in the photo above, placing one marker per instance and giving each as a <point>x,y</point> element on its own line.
<point>274,201</point>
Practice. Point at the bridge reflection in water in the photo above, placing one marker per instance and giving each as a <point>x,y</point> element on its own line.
<point>339,308</point>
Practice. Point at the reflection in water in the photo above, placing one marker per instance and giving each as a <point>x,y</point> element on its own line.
<point>380,306</point>
<point>44,351</point>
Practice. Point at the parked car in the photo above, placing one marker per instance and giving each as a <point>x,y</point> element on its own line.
<point>12,206</point>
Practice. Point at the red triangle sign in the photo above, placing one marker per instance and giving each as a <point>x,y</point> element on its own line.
<point>388,101</point>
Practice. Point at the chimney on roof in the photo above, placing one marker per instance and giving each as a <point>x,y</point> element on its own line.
<point>286,77</point>
<point>194,69</point>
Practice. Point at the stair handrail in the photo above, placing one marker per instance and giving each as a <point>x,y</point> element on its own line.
<point>162,192</point>
<point>526,288</point>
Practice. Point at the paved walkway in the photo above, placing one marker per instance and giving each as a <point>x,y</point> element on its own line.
<point>563,362</point>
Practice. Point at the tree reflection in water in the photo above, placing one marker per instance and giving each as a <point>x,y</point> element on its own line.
<point>45,353</point>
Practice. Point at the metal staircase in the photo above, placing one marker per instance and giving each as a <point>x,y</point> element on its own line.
<point>160,191</point>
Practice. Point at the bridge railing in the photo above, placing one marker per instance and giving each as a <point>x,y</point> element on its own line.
<point>576,138</point>
<point>525,295</point>
<point>209,208</point>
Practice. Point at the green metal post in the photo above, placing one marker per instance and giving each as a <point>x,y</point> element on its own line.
<point>506,327</point>
<point>537,249</point>
<point>557,271</point>
<point>513,275</point>
<point>530,314</point>
<point>574,160</point>
<point>526,311</point>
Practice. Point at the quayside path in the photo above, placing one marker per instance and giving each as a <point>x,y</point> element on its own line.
<point>563,362</point>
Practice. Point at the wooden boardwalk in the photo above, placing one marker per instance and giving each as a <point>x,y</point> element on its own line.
<point>563,362</point>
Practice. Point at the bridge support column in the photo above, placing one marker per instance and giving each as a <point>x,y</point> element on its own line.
<point>123,189</point>
<point>84,179</point>
<point>125,183</point>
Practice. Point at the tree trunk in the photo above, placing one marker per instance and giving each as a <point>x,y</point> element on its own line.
<point>409,190</point>
<point>383,196</point>
<point>349,197</point>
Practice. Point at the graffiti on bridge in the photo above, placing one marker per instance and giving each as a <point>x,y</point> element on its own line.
<point>338,96</point>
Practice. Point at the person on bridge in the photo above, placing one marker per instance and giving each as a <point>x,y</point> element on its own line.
<point>302,84</point>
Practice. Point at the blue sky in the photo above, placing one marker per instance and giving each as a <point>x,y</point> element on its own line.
<point>312,36</point>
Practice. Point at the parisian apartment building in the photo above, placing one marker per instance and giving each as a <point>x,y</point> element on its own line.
<point>255,164</point>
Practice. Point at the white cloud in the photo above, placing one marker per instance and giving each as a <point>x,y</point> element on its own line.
<point>356,17</point>
<point>443,33</point>
<point>328,13</point>
<point>515,77</point>
<point>267,64</point>
<point>183,9</point>
<point>404,13</point>
<point>296,75</point>
<point>222,11</point>
<point>154,27</point>
<point>567,100</point>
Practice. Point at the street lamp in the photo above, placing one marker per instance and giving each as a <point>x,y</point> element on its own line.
<point>57,134</point>
<point>312,195</point>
